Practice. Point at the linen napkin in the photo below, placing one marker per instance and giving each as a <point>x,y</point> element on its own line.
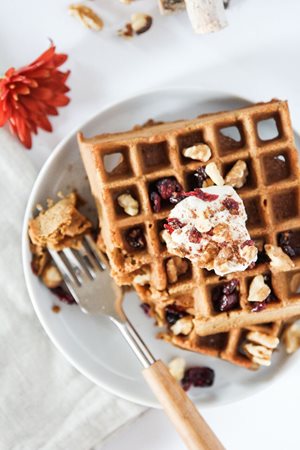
<point>45,404</point>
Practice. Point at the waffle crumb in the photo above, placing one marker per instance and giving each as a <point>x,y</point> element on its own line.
<point>258,290</point>
<point>200,152</point>
<point>280,261</point>
<point>177,368</point>
<point>182,326</point>
<point>87,16</point>
<point>214,174</point>
<point>291,338</point>
<point>237,176</point>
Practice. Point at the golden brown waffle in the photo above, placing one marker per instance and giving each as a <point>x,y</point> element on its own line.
<point>270,195</point>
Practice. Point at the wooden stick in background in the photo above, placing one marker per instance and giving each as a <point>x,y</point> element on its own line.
<point>206,16</point>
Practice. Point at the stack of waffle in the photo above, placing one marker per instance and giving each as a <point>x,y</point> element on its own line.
<point>179,293</point>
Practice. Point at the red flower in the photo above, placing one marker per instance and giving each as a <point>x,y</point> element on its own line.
<point>30,94</point>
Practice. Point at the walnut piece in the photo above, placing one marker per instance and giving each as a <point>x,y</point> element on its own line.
<point>237,176</point>
<point>177,368</point>
<point>129,204</point>
<point>258,353</point>
<point>87,16</point>
<point>258,290</point>
<point>214,174</point>
<point>264,339</point>
<point>182,326</point>
<point>280,261</point>
<point>139,24</point>
<point>175,267</point>
<point>291,338</point>
<point>199,152</point>
<point>51,276</point>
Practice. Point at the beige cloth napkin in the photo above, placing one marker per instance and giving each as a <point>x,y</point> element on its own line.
<point>45,404</point>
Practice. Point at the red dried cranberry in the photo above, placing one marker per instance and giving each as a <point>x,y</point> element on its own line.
<point>167,186</point>
<point>173,224</point>
<point>155,199</point>
<point>226,297</point>
<point>202,195</point>
<point>194,236</point>
<point>63,295</point>
<point>146,308</point>
<point>174,313</point>
<point>289,243</point>
<point>135,238</point>
<point>198,377</point>
<point>200,176</point>
<point>232,205</point>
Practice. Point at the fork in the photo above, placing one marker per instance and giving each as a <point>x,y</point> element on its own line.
<point>84,272</point>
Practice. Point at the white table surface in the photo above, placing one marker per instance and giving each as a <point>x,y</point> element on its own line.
<point>256,56</point>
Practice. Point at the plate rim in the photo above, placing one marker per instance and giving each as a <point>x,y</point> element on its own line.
<point>24,245</point>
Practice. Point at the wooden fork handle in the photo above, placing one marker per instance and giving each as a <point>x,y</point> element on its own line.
<point>193,429</point>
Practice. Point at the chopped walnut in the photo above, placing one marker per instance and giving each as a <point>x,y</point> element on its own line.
<point>258,290</point>
<point>214,174</point>
<point>280,261</point>
<point>129,204</point>
<point>87,16</point>
<point>291,338</point>
<point>142,279</point>
<point>51,276</point>
<point>263,339</point>
<point>258,353</point>
<point>182,326</point>
<point>175,267</point>
<point>177,368</point>
<point>249,252</point>
<point>237,176</point>
<point>199,152</point>
<point>139,24</point>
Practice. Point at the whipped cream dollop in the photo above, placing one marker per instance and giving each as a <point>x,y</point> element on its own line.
<point>209,227</point>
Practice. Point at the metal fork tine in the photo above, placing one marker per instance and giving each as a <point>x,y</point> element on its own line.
<point>77,265</point>
<point>68,276</point>
<point>95,252</point>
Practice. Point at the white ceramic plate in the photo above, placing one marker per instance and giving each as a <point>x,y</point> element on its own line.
<point>92,344</point>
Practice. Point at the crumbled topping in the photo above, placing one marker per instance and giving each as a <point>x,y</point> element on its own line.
<point>129,204</point>
<point>51,276</point>
<point>87,16</point>
<point>182,326</point>
<point>175,267</point>
<point>280,261</point>
<point>214,174</point>
<point>199,152</point>
<point>177,368</point>
<point>291,337</point>
<point>258,290</point>
<point>237,176</point>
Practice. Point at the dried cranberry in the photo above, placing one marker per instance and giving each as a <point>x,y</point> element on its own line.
<point>135,238</point>
<point>167,186</point>
<point>146,308</point>
<point>155,199</point>
<point>63,295</point>
<point>194,236</point>
<point>200,176</point>
<point>173,224</point>
<point>177,197</point>
<point>198,377</point>
<point>289,243</point>
<point>232,205</point>
<point>202,195</point>
<point>226,297</point>
<point>174,313</point>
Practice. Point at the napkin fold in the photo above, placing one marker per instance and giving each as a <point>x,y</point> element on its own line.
<point>45,404</point>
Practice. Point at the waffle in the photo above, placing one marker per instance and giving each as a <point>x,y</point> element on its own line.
<point>270,195</point>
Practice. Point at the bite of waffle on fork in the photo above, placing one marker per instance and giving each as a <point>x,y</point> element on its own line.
<point>270,195</point>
